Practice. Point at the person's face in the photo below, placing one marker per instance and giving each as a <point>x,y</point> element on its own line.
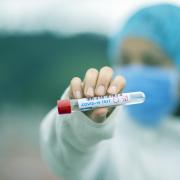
<point>141,51</point>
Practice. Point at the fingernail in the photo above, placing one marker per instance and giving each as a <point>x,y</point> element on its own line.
<point>100,90</point>
<point>78,94</point>
<point>90,91</point>
<point>112,90</point>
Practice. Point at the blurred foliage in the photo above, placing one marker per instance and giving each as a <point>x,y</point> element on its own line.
<point>37,68</point>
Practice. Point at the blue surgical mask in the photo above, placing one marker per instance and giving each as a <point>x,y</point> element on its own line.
<point>160,87</point>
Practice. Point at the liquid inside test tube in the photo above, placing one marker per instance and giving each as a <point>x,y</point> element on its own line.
<point>85,104</point>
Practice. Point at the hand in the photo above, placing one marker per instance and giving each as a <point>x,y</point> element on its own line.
<point>97,83</point>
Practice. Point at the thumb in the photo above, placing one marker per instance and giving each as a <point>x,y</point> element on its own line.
<point>98,115</point>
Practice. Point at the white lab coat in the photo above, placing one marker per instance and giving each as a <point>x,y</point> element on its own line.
<point>77,148</point>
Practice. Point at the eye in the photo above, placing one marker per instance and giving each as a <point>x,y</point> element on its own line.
<point>151,60</point>
<point>125,59</point>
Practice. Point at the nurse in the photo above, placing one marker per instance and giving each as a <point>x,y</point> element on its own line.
<point>136,142</point>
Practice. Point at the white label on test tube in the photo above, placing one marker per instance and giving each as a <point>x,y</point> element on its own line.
<point>95,102</point>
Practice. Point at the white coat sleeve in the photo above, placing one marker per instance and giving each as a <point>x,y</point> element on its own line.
<point>70,143</point>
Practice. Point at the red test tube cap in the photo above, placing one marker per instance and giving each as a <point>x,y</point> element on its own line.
<point>64,106</point>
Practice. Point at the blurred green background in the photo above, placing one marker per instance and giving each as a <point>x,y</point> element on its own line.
<point>35,69</point>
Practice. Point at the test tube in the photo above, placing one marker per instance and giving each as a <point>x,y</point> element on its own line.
<point>67,106</point>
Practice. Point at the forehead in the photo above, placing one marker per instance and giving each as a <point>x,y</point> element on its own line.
<point>136,48</point>
<point>138,45</point>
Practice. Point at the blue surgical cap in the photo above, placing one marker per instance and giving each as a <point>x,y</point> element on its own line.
<point>159,24</point>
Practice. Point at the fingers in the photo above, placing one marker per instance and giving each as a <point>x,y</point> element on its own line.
<point>97,83</point>
<point>116,85</point>
<point>104,78</point>
<point>76,88</point>
<point>90,82</point>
